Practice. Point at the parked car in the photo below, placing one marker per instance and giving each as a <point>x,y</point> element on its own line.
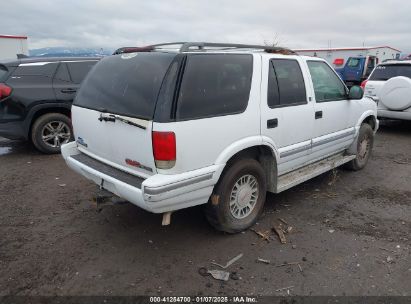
<point>36,96</point>
<point>215,124</point>
<point>390,85</point>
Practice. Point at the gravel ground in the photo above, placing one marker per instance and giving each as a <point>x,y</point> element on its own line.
<point>350,234</point>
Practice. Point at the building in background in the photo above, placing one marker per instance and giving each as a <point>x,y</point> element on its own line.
<point>10,46</point>
<point>337,57</point>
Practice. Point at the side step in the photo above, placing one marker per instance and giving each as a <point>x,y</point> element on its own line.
<point>303,174</point>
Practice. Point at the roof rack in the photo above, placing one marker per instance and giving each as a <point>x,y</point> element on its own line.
<point>132,49</point>
<point>203,46</point>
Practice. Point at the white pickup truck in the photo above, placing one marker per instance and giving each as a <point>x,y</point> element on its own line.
<point>173,126</point>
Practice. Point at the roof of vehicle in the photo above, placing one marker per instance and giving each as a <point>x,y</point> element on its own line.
<point>16,62</point>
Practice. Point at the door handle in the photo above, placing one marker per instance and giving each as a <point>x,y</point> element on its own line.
<point>272,123</point>
<point>318,114</point>
<point>68,91</point>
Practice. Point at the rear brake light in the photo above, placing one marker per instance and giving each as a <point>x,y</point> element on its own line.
<point>5,91</point>
<point>164,149</point>
<point>363,84</point>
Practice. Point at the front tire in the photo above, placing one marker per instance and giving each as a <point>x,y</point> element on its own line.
<point>238,198</point>
<point>365,143</point>
<point>50,131</point>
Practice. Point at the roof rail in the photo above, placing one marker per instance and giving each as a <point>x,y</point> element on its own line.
<point>188,46</point>
<point>133,49</point>
<point>202,46</point>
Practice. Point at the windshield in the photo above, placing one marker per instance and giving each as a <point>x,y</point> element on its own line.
<point>353,62</point>
<point>126,84</point>
<point>387,71</point>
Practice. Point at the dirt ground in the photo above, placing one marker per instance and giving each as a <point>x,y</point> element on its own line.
<point>350,234</point>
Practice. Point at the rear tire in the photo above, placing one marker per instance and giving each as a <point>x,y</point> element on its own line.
<point>365,143</point>
<point>50,131</point>
<point>238,198</point>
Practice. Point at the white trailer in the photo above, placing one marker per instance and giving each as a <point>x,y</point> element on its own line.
<point>338,57</point>
<point>10,46</point>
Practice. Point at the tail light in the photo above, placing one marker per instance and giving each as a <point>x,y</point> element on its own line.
<point>164,149</point>
<point>364,83</point>
<point>5,91</point>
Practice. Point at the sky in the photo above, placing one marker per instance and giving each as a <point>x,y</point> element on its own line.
<point>293,24</point>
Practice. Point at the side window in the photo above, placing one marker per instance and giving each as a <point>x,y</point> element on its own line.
<point>166,95</point>
<point>214,85</point>
<point>285,84</point>
<point>62,73</point>
<point>79,70</point>
<point>46,69</point>
<point>327,85</point>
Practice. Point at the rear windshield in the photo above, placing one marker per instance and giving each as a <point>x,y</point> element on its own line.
<point>387,71</point>
<point>126,84</point>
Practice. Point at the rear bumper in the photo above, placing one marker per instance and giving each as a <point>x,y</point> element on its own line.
<point>158,193</point>
<point>404,115</point>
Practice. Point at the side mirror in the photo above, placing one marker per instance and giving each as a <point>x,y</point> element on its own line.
<point>356,92</point>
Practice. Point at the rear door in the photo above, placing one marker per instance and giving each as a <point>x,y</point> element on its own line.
<point>124,86</point>
<point>62,85</point>
<point>287,114</point>
<point>69,76</point>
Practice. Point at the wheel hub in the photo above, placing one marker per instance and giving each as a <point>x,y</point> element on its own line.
<point>243,196</point>
<point>56,133</point>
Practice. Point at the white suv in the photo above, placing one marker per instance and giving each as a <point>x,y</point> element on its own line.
<point>215,124</point>
<point>390,85</point>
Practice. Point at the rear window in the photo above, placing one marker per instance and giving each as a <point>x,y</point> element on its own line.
<point>79,69</point>
<point>387,71</point>
<point>285,84</point>
<point>126,84</point>
<point>214,85</point>
<point>62,73</point>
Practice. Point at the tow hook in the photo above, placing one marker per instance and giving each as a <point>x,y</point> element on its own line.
<point>166,219</point>
<point>104,198</point>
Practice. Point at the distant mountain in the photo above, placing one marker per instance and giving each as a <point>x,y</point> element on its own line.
<point>69,52</point>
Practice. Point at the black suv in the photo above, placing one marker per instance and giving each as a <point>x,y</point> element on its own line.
<point>36,96</point>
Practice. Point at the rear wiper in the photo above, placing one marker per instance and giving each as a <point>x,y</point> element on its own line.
<point>113,118</point>
<point>129,122</point>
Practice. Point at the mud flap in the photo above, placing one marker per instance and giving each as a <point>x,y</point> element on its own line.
<point>352,150</point>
